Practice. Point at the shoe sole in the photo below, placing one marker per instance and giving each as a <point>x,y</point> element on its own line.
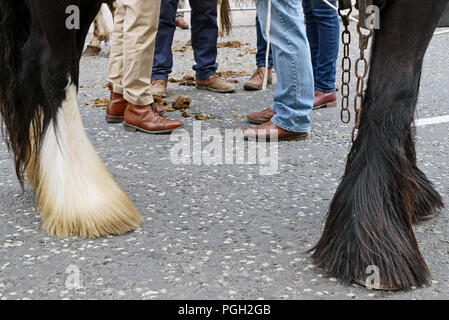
<point>326,105</point>
<point>131,128</point>
<point>255,121</point>
<point>114,119</point>
<point>200,87</point>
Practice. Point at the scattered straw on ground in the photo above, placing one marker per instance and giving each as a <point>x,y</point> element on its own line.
<point>248,51</point>
<point>201,116</point>
<point>231,44</point>
<point>101,102</point>
<point>182,50</point>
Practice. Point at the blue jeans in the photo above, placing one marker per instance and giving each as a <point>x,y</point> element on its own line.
<point>262,48</point>
<point>293,96</point>
<point>323,32</point>
<point>204,38</point>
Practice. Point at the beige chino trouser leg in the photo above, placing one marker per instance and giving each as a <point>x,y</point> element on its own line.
<point>132,52</point>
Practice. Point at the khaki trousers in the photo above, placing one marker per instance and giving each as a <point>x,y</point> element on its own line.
<point>132,51</point>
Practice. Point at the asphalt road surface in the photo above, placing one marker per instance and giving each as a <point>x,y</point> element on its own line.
<point>215,231</point>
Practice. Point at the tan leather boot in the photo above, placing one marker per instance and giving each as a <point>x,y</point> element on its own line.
<point>215,84</point>
<point>115,108</point>
<point>146,119</point>
<point>159,88</point>
<point>256,81</point>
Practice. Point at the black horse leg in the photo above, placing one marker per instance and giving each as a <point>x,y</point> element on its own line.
<point>90,10</point>
<point>369,222</point>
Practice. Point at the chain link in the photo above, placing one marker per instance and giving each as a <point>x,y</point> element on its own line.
<point>361,71</point>
<point>346,64</point>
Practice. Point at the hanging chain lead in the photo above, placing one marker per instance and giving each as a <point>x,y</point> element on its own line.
<point>361,70</point>
<point>345,114</point>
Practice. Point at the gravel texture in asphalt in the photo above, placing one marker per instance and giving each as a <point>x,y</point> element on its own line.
<point>215,231</point>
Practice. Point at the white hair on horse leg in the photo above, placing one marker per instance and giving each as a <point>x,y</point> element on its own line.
<point>76,195</point>
<point>31,168</point>
<point>267,31</point>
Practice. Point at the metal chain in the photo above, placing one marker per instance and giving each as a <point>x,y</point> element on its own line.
<point>361,72</point>
<point>345,114</point>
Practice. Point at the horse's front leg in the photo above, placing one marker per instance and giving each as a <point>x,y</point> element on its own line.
<point>76,195</point>
<point>369,222</point>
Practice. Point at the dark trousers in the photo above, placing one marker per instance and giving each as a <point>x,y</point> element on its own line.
<point>204,38</point>
<point>323,32</point>
<point>262,48</point>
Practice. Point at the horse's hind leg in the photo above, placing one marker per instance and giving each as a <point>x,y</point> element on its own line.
<point>369,222</point>
<point>76,195</point>
<point>94,46</point>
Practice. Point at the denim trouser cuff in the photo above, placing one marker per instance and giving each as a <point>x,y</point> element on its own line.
<point>199,75</point>
<point>159,77</point>
<point>276,121</point>
<point>203,75</point>
<point>260,65</point>
<point>325,90</point>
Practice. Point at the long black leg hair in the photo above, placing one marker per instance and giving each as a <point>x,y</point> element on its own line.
<point>382,192</point>
<point>15,28</point>
<point>37,54</point>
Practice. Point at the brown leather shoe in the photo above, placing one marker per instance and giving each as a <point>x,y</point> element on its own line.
<point>146,119</point>
<point>180,23</point>
<point>115,108</point>
<point>159,88</point>
<point>269,130</point>
<point>256,81</point>
<point>215,84</point>
<point>261,117</point>
<point>325,100</point>
<point>159,109</point>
